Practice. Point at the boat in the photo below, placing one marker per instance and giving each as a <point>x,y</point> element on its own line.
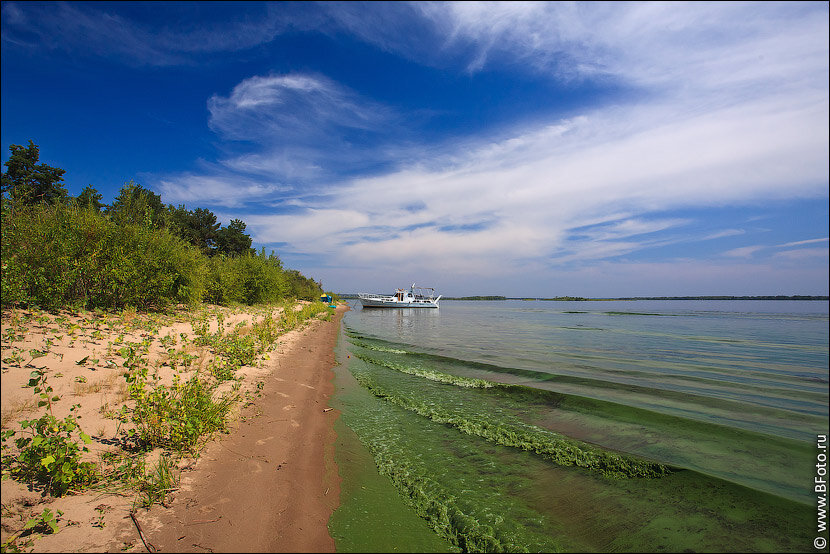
<point>415,297</point>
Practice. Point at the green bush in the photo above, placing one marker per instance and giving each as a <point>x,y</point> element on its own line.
<point>179,417</point>
<point>60,255</point>
<point>225,281</point>
<point>264,281</point>
<point>248,279</point>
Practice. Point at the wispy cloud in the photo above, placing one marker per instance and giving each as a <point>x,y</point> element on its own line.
<point>221,190</point>
<point>727,105</point>
<point>92,29</point>
<point>802,242</point>
<point>723,234</point>
<point>744,251</point>
<point>805,254</point>
<point>301,127</point>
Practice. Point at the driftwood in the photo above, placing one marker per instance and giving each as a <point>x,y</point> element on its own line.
<point>147,545</point>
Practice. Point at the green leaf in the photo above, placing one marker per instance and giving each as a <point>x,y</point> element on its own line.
<point>85,438</point>
<point>47,461</point>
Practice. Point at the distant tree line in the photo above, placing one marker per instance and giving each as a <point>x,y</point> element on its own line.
<point>59,250</point>
<point>474,298</point>
<point>775,297</point>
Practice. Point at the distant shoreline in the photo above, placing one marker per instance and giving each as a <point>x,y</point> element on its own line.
<point>582,299</point>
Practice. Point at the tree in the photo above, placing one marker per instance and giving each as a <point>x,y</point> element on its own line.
<point>27,182</point>
<point>90,197</point>
<point>233,241</point>
<point>198,227</point>
<point>135,204</point>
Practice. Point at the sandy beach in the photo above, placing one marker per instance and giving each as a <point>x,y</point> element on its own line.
<point>268,485</point>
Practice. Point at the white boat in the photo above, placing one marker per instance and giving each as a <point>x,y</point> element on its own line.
<point>415,297</point>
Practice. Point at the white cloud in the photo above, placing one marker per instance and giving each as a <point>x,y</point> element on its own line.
<point>734,112</point>
<point>723,234</point>
<point>802,242</point>
<point>700,44</point>
<point>301,127</point>
<point>229,191</point>
<point>609,168</point>
<point>287,108</point>
<point>311,231</point>
<point>743,251</point>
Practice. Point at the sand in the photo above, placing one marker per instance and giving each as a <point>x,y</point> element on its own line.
<point>269,485</point>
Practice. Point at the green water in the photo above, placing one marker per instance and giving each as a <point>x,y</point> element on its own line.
<point>485,456</point>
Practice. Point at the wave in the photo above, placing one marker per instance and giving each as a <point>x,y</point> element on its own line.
<point>525,414</point>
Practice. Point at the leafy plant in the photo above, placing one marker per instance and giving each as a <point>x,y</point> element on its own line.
<point>46,522</point>
<point>49,454</point>
<point>178,417</point>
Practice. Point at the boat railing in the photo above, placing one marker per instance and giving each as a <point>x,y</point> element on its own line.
<point>370,296</point>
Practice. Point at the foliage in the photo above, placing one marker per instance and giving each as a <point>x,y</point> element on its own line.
<point>263,281</point>
<point>232,240</point>
<point>129,471</point>
<point>90,198</point>
<point>178,417</point>
<point>27,182</point>
<point>46,522</point>
<point>225,281</point>
<point>62,255</point>
<point>197,227</point>
<point>301,287</point>
<point>135,204</point>
<point>49,455</point>
<point>138,252</point>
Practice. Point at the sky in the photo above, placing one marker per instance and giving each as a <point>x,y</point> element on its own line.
<point>519,149</point>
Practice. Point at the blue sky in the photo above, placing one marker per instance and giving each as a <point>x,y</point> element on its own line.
<point>521,149</point>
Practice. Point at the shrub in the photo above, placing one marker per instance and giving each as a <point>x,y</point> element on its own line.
<point>179,417</point>
<point>60,255</point>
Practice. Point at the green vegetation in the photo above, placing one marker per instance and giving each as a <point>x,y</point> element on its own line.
<point>45,523</point>
<point>123,269</point>
<point>457,455</point>
<point>49,453</point>
<point>77,252</point>
<point>162,419</point>
<point>475,418</point>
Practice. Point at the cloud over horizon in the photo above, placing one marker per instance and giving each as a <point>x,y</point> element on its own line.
<point>720,109</point>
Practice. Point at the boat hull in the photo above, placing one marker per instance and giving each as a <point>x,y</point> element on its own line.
<point>402,298</point>
<point>373,303</point>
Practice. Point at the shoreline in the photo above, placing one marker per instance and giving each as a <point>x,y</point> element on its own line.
<point>268,483</point>
<point>271,484</point>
